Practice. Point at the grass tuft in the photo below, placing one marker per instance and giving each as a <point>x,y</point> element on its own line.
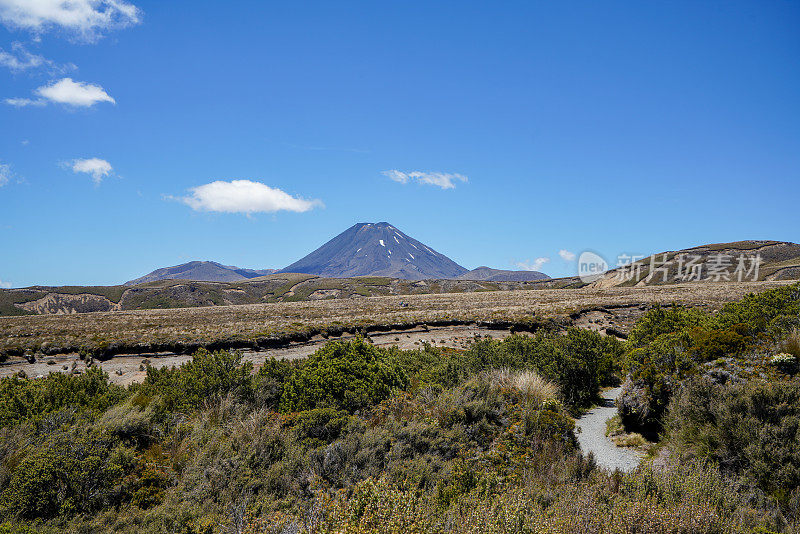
<point>533,387</point>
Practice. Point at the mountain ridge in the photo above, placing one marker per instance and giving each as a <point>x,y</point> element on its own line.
<point>364,249</point>
<point>200,271</point>
<point>488,274</point>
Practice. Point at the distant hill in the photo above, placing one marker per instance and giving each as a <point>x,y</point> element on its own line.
<point>498,275</point>
<point>376,249</point>
<point>780,261</point>
<point>287,287</point>
<point>203,271</point>
<point>173,287</point>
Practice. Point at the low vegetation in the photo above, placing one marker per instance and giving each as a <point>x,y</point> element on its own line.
<point>361,439</point>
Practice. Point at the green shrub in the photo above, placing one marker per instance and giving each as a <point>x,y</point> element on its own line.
<point>269,382</point>
<point>668,345</point>
<point>71,474</point>
<point>769,312</point>
<point>32,400</point>
<point>320,425</point>
<point>660,321</point>
<point>751,430</point>
<point>578,362</point>
<point>206,376</point>
<point>346,375</point>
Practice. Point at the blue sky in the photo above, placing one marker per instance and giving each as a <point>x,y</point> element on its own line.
<point>141,134</point>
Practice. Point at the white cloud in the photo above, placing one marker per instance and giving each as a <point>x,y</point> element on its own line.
<point>65,91</point>
<point>5,174</point>
<point>566,255</point>
<point>20,59</point>
<point>96,167</point>
<point>445,180</point>
<point>5,285</point>
<point>244,196</point>
<point>529,265</point>
<point>22,102</point>
<point>87,19</point>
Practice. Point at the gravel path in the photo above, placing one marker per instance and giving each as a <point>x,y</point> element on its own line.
<point>591,433</point>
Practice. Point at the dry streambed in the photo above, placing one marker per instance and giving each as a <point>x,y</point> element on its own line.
<point>129,369</point>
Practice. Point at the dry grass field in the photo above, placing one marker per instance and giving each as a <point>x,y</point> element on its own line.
<point>262,325</point>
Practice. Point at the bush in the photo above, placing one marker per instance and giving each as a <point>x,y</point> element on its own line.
<point>269,382</point>
<point>660,321</point>
<point>751,430</point>
<point>320,426</point>
<point>769,312</point>
<point>71,474</point>
<point>790,344</point>
<point>668,345</point>
<point>32,400</point>
<point>533,388</point>
<point>345,375</point>
<point>578,362</point>
<point>206,376</point>
<point>786,363</point>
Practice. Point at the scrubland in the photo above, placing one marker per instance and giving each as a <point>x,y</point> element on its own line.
<point>358,438</point>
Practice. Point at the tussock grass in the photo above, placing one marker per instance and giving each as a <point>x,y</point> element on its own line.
<point>534,388</point>
<point>615,431</point>
<point>791,344</point>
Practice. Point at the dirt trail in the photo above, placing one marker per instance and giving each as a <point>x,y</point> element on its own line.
<point>590,429</point>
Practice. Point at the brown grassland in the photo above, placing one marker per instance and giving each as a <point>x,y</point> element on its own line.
<point>257,325</point>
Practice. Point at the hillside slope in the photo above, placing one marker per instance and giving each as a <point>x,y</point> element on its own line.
<point>779,260</point>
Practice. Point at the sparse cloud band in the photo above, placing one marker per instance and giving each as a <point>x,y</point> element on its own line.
<point>5,174</point>
<point>20,59</point>
<point>445,180</point>
<point>535,265</point>
<point>244,196</point>
<point>566,255</point>
<point>86,19</point>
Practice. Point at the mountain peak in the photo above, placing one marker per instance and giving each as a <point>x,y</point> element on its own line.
<point>376,249</point>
